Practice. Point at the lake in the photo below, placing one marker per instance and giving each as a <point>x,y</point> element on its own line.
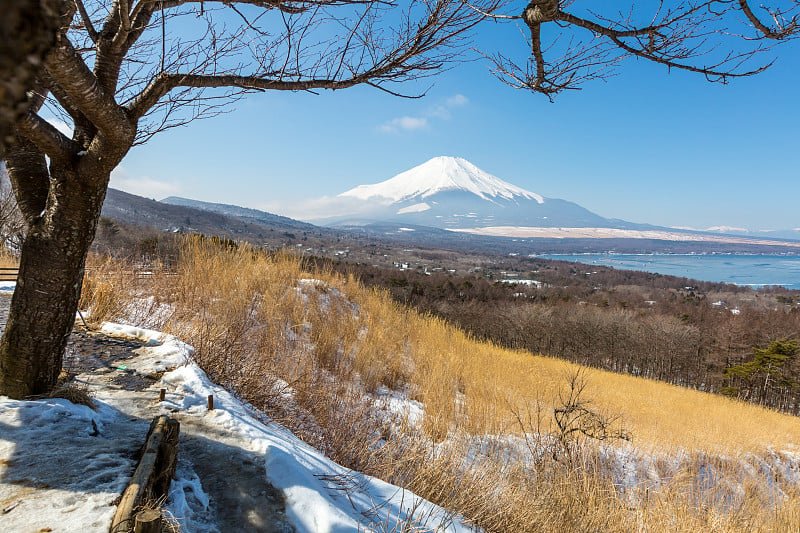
<point>751,270</point>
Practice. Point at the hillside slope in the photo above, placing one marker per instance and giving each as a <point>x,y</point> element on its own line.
<point>408,398</point>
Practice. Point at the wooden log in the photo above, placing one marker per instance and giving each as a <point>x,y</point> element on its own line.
<point>148,521</point>
<point>154,473</point>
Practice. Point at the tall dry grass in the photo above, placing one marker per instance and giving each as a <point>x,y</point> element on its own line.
<point>308,348</point>
<point>7,259</point>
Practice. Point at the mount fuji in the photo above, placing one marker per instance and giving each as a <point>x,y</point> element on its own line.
<point>450,201</point>
<point>452,193</point>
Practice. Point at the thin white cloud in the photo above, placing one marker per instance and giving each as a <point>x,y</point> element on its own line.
<point>142,185</point>
<point>405,123</point>
<point>315,209</point>
<point>442,111</point>
<point>445,110</point>
<point>457,100</point>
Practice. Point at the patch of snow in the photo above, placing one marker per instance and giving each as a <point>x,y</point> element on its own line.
<point>325,295</point>
<point>60,466</point>
<point>726,229</point>
<point>442,174</point>
<point>148,313</point>
<point>312,282</point>
<point>188,503</point>
<point>160,353</point>
<point>532,282</point>
<point>399,405</point>
<point>8,286</point>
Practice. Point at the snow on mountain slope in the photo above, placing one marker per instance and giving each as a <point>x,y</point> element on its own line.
<point>442,174</point>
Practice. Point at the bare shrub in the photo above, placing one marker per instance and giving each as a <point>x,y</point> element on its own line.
<point>73,392</point>
<point>577,420</point>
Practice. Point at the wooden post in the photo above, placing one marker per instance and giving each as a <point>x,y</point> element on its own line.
<point>148,521</point>
<point>84,320</point>
<point>210,402</point>
<point>162,394</point>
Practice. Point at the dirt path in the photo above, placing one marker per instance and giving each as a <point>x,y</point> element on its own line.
<point>228,492</point>
<point>241,499</point>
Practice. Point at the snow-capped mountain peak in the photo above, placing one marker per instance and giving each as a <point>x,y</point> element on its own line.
<point>442,174</point>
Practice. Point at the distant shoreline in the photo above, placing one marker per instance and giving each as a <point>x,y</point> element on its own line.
<point>614,233</point>
<point>744,270</point>
<point>674,254</point>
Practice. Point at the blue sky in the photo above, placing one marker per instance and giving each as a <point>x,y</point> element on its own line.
<point>645,146</point>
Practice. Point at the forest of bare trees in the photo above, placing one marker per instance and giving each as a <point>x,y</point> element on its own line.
<point>676,330</point>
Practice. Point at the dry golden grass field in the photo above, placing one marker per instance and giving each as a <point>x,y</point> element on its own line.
<point>504,440</point>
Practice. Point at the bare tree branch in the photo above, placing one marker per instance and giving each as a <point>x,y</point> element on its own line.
<point>783,30</point>
<point>359,55</point>
<point>124,15</point>
<point>46,137</point>
<point>710,72</point>
<point>68,70</point>
<point>87,20</point>
<point>83,128</point>
<point>689,35</point>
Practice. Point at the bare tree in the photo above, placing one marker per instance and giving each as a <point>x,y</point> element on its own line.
<point>569,44</point>
<point>121,71</point>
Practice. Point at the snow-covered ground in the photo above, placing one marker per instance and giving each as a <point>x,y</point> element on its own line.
<point>7,286</point>
<point>63,465</point>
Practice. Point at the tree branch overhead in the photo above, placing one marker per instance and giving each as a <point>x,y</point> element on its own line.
<point>121,71</point>
<point>707,37</point>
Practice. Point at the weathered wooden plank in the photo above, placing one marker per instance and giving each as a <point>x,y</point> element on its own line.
<point>154,473</point>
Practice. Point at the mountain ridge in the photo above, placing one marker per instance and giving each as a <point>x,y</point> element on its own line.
<point>452,193</point>
<point>236,211</point>
<point>370,237</point>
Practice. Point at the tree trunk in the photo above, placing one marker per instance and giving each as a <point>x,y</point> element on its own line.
<point>27,32</point>
<point>51,273</point>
